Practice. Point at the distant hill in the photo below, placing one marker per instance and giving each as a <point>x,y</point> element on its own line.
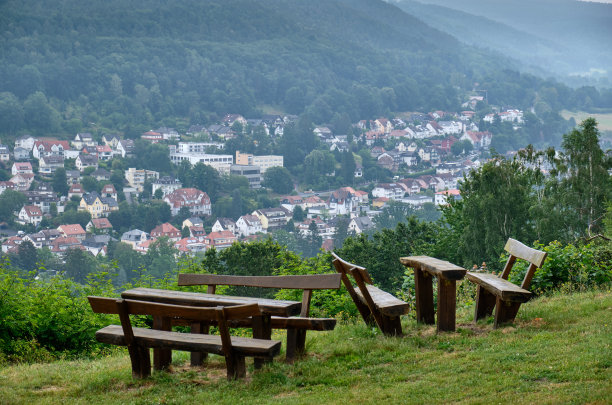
<point>128,65</point>
<point>563,36</point>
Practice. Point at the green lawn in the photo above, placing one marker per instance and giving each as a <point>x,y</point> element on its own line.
<point>604,120</point>
<point>559,351</point>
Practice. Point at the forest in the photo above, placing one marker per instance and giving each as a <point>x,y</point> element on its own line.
<point>67,66</point>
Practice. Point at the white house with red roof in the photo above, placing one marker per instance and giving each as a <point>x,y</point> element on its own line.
<point>30,214</point>
<point>76,190</point>
<point>11,245</point>
<point>442,197</point>
<point>191,245</point>
<point>109,191</point>
<point>195,200</point>
<point>22,181</point>
<point>73,231</point>
<point>104,152</point>
<point>480,140</point>
<point>63,243</point>
<point>50,147</point>
<point>21,167</point>
<point>167,230</point>
<point>6,185</point>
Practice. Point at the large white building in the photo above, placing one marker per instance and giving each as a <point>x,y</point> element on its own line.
<point>264,162</point>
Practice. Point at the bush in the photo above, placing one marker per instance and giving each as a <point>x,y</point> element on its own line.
<point>580,266</point>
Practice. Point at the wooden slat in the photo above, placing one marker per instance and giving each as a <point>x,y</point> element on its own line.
<point>113,334</point>
<point>303,282</point>
<point>268,306</point>
<point>303,323</point>
<point>387,303</point>
<point>241,311</point>
<point>435,267</point>
<point>499,287</point>
<point>516,248</point>
<point>103,305</point>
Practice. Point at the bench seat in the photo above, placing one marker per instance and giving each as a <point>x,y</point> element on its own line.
<point>499,287</point>
<point>386,303</point>
<point>113,334</point>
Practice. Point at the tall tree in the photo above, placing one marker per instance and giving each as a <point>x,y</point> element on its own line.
<point>279,180</point>
<point>59,183</point>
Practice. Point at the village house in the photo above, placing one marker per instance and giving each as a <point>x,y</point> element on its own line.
<point>21,168</point>
<point>191,245</point>
<point>25,141</point>
<point>134,237</point>
<point>60,245</point>
<point>72,231</point>
<point>248,225</point>
<point>48,147</point>
<point>392,191</point>
<point>11,245</point>
<point>152,136</point>
<point>111,140</point>
<point>272,218</point>
<point>192,221</point>
<point>86,160</point>
<point>6,185</point>
<point>22,181</point>
<point>43,238</point>
<point>108,191</point>
<point>125,148</point>
<point>166,230</point>
<point>98,206</point>
<point>30,214</point>
<point>76,190</point>
<point>442,197</point>
<point>82,140</point>
<point>224,224</point>
<point>166,184</point>
<point>221,240</point>
<point>99,225</point>
<point>195,200</point>
<point>137,178</point>
<point>264,162</point>
<point>343,201</point>
<point>97,244</point>
<point>359,225</point>
<point>21,153</point>
<point>49,164</point>
<point>480,140</point>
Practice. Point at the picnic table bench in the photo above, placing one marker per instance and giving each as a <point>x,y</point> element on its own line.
<point>377,307</point>
<point>262,328</point>
<point>425,268</point>
<point>497,292</point>
<point>140,340</point>
<point>296,326</point>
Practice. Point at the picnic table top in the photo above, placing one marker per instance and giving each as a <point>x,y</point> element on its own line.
<point>435,267</point>
<point>267,306</point>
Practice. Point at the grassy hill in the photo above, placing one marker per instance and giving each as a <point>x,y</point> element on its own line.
<point>557,352</point>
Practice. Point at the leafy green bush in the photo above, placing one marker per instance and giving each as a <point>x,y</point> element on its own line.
<point>581,266</point>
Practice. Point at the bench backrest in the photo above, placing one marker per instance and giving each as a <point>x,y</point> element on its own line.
<point>124,308</point>
<point>517,250</point>
<point>361,277</point>
<point>307,283</point>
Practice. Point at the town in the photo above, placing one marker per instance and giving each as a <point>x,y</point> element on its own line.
<point>414,162</point>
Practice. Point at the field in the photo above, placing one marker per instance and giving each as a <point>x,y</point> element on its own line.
<point>604,120</point>
<point>559,351</point>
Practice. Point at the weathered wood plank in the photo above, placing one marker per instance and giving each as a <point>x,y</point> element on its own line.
<point>435,267</point>
<point>447,293</point>
<point>425,312</point>
<point>268,306</point>
<point>113,334</point>
<point>516,248</point>
<point>387,303</point>
<point>499,287</point>
<point>303,323</point>
<point>302,282</point>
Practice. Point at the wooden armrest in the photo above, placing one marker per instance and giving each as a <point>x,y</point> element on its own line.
<point>499,287</point>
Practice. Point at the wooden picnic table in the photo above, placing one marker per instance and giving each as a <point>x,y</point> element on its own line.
<point>262,328</point>
<point>425,268</point>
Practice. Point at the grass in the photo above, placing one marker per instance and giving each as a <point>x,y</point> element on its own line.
<point>604,120</point>
<point>559,351</point>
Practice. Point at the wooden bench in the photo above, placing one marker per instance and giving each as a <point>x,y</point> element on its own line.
<point>425,268</point>
<point>140,340</point>
<point>377,307</point>
<point>499,293</point>
<point>296,326</point>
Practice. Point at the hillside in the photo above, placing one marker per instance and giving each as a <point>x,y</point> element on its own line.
<point>128,65</point>
<point>558,352</point>
<point>573,37</point>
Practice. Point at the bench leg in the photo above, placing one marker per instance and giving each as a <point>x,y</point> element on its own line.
<point>198,358</point>
<point>141,361</point>
<point>424,297</point>
<point>447,303</point>
<point>485,302</point>
<point>236,367</point>
<point>505,312</point>
<point>392,326</point>
<point>262,329</point>
<point>296,344</point>
<point>162,357</point>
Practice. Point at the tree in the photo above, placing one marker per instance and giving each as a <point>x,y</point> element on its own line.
<point>279,180</point>
<point>341,233</point>
<point>317,165</point>
<point>78,264</point>
<point>347,168</point>
<point>299,214</point>
<point>59,182</point>
<point>460,147</point>
<point>10,201</point>
<point>586,186</point>
<point>27,256</point>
